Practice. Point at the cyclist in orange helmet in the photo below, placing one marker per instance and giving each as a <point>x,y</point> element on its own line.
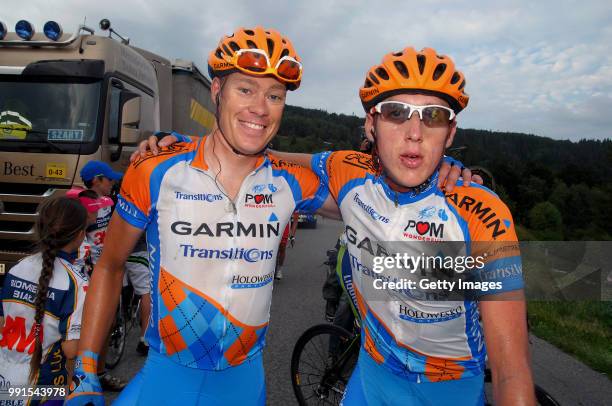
<point>213,212</point>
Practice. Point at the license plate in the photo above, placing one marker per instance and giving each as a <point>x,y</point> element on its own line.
<point>56,171</point>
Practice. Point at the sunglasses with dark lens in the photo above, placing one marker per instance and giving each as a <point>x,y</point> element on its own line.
<point>432,115</point>
<point>256,61</point>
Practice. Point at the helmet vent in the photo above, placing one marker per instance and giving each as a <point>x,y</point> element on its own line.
<point>219,53</point>
<point>401,68</point>
<point>284,41</point>
<point>249,32</point>
<point>270,46</point>
<point>284,53</point>
<point>234,46</point>
<point>440,69</point>
<point>462,85</point>
<point>227,50</point>
<point>455,78</point>
<point>251,44</point>
<point>374,78</point>
<point>421,59</point>
<point>382,73</point>
<point>368,83</point>
<point>268,32</point>
<point>399,53</point>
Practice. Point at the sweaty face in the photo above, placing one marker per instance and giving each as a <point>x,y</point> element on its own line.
<point>410,152</point>
<point>250,110</point>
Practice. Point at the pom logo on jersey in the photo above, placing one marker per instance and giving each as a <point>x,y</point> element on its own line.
<point>14,335</point>
<point>425,231</point>
<point>258,201</point>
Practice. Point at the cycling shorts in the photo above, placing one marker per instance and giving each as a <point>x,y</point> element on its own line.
<point>137,271</point>
<point>373,384</point>
<point>162,381</point>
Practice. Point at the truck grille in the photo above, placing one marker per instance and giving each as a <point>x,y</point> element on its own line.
<point>19,212</point>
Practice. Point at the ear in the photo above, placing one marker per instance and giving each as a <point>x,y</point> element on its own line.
<point>369,127</point>
<point>215,88</point>
<point>451,134</point>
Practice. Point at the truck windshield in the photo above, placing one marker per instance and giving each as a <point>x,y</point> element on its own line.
<point>47,116</point>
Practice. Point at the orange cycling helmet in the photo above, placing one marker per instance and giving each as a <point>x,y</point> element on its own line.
<point>409,71</point>
<point>223,59</point>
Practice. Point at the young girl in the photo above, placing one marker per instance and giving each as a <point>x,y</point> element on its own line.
<point>42,301</point>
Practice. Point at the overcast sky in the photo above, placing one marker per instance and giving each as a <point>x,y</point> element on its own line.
<point>541,67</point>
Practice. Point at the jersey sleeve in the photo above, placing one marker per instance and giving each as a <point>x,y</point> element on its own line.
<point>338,170</point>
<point>308,191</point>
<point>490,230</point>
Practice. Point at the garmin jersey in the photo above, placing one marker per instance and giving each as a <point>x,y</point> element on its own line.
<point>62,320</point>
<point>212,259</point>
<point>421,337</point>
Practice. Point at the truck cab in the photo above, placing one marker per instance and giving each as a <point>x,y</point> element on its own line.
<point>77,98</point>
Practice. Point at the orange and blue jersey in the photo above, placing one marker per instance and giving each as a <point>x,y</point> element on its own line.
<point>419,337</point>
<point>212,259</point>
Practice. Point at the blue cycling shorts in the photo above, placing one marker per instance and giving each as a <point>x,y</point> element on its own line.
<point>373,384</point>
<point>162,381</point>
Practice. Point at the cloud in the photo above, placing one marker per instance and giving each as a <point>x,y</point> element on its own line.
<point>540,67</point>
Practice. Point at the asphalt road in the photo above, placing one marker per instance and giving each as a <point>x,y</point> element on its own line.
<point>297,304</point>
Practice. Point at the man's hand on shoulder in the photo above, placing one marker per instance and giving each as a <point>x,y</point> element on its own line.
<point>153,144</point>
<point>449,173</point>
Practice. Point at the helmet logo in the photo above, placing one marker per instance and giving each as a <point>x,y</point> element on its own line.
<point>368,93</point>
<point>222,65</point>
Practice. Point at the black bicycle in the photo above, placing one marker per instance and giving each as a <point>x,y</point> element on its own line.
<point>324,358</point>
<point>126,318</point>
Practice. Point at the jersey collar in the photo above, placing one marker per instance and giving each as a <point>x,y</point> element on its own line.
<point>200,163</point>
<point>70,257</point>
<point>420,192</point>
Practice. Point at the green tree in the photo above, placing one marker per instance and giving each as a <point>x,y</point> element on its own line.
<point>546,222</point>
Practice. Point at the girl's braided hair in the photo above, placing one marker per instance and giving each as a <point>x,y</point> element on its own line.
<point>59,222</point>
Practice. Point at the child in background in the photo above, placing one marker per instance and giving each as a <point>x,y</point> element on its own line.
<point>42,301</point>
<point>99,177</point>
<point>93,203</point>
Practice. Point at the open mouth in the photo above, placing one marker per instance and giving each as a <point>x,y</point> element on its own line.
<point>411,160</point>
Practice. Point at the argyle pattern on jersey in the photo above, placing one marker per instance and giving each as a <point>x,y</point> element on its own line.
<point>197,332</point>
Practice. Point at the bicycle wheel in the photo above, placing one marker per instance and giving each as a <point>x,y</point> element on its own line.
<point>543,398</point>
<point>321,364</point>
<point>116,343</point>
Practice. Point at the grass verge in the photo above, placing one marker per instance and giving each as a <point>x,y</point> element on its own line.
<point>582,329</point>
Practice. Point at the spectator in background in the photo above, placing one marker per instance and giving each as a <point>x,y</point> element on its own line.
<point>43,297</point>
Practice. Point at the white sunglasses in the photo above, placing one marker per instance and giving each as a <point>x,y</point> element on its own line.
<point>432,115</point>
